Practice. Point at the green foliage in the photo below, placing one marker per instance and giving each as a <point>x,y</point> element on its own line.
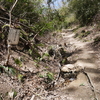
<point>97,40</point>
<point>20,77</point>
<point>87,33</point>
<point>41,76</point>
<point>30,51</point>
<point>12,93</point>
<point>9,0</point>
<point>34,18</point>
<point>23,21</point>
<point>41,45</point>
<point>82,34</point>
<point>45,54</point>
<point>2,68</point>
<point>82,84</point>
<point>65,17</point>
<point>12,71</point>
<point>2,36</point>
<point>63,61</point>
<point>50,76</point>
<point>15,94</point>
<point>8,70</point>
<point>38,59</point>
<point>84,9</point>
<point>18,62</point>
<point>70,19</point>
<point>46,67</point>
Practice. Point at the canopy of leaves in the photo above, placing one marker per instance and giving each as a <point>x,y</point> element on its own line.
<point>84,9</point>
<point>32,17</point>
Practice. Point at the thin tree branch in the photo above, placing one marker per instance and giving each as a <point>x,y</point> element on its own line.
<point>11,11</point>
<point>9,46</point>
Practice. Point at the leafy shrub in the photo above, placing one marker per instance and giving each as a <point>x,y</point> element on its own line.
<point>97,40</point>
<point>48,77</point>
<point>70,19</point>
<point>18,62</point>
<point>84,9</point>
<point>84,34</point>
<point>8,70</point>
<point>87,33</point>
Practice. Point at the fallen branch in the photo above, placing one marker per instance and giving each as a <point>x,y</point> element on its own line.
<point>23,54</point>
<point>2,18</point>
<point>91,85</point>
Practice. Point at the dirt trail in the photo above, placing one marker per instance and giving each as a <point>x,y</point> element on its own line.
<point>36,87</point>
<point>86,58</point>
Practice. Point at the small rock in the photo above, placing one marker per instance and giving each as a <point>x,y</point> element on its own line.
<point>69,71</point>
<point>11,94</point>
<point>68,68</point>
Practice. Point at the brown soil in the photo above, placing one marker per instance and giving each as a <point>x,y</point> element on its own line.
<point>34,87</point>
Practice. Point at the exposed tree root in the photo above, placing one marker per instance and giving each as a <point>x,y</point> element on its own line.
<point>91,85</point>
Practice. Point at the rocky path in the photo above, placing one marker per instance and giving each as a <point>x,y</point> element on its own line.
<point>84,88</point>
<point>35,87</point>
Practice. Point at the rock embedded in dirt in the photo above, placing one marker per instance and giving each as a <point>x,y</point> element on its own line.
<point>68,68</point>
<point>70,71</point>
